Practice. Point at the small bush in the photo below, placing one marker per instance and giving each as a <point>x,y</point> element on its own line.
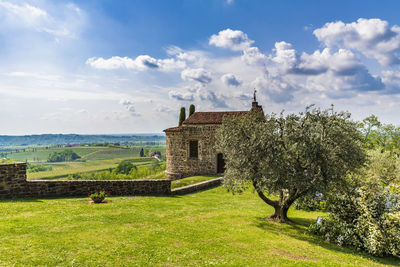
<point>124,167</point>
<point>38,168</point>
<point>365,211</point>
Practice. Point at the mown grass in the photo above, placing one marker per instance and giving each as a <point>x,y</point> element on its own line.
<point>209,228</point>
<point>191,180</point>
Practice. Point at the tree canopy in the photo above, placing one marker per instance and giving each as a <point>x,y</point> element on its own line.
<point>65,155</point>
<point>288,155</point>
<point>124,167</point>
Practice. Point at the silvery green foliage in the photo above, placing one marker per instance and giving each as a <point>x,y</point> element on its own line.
<point>365,210</point>
<point>310,202</point>
<point>289,155</point>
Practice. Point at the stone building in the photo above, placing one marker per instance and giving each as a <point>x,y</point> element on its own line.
<point>191,147</point>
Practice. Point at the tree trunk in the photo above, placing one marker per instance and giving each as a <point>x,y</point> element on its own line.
<point>281,207</point>
<point>280,214</point>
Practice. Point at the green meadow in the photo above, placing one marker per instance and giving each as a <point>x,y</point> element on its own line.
<point>93,159</point>
<point>210,228</point>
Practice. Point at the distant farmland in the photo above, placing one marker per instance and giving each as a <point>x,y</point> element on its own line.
<point>93,158</point>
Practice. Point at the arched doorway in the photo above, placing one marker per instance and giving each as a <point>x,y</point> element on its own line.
<point>220,163</point>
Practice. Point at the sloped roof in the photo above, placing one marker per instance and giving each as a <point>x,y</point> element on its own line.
<point>211,117</point>
<point>174,129</point>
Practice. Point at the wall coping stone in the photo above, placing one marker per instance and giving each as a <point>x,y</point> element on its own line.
<point>197,187</point>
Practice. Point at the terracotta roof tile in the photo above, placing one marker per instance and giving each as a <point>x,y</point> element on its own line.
<point>174,129</point>
<point>211,117</point>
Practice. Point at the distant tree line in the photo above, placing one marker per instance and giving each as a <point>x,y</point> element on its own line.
<point>65,155</point>
<point>62,139</point>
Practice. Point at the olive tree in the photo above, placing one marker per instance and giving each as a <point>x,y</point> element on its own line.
<point>288,156</point>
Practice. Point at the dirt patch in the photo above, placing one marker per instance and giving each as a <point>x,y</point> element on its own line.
<point>177,244</point>
<point>292,256</point>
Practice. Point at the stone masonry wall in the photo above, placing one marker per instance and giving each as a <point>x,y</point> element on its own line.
<point>13,184</point>
<point>179,164</point>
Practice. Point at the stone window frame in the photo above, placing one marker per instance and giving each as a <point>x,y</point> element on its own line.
<point>198,149</point>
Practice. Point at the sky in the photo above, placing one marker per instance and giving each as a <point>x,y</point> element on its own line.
<point>110,67</point>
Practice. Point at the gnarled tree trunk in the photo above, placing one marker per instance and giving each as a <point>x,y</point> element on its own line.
<point>281,207</point>
<point>280,214</point>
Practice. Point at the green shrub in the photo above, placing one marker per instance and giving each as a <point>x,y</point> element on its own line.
<point>124,167</point>
<point>365,211</point>
<point>310,202</point>
<point>38,168</point>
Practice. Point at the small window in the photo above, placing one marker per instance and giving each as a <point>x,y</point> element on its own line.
<point>194,149</point>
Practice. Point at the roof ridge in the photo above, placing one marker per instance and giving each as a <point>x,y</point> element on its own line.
<point>221,111</point>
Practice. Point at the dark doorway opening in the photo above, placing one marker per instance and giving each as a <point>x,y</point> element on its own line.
<point>220,163</point>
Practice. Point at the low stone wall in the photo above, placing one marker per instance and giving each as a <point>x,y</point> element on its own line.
<point>197,187</point>
<point>13,184</point>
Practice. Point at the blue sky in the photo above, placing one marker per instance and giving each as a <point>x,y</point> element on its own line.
<point>128,66</point>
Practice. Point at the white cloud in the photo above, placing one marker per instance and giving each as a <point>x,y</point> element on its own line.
<point>216,101</point>
<point>372,37</point>
<point>142,62</point>
<point>129,106</point>
<point>26,13</point>
<point>234,40</point>
<point>164,109</point>
<point>199,75</point>
<point>342,62</point>
<point>66,23</point>
<point>276,88</point>
<point>181,96</point>
<point>337,72</point>
<point>391,79</point>
<point>252,55</point>
<point>285,55</point>
<point>230,79</point>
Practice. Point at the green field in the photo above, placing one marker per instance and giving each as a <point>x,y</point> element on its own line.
<point>92,159</point>
<point>208,228</point>
<point>87,153</point>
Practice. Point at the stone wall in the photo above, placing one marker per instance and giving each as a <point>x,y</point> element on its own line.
<point>12,179</point>
<point>13,184</point>
<point>179,164</point>
<point>197,187</point>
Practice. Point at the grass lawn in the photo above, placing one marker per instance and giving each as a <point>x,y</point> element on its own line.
<point>191,180</point>
<point>209,228</point>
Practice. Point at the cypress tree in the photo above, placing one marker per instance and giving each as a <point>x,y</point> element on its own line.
<point>182,116</point>
<point>191,109</point>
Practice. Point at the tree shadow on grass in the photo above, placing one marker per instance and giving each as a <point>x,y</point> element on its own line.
<point>19,200</point>
<point>298,230</point>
